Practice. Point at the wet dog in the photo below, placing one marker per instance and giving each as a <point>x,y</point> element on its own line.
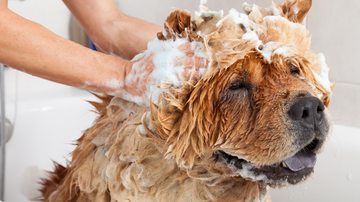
<point>256,118</point>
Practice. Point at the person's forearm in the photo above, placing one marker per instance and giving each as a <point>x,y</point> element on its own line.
<point>29,47</point>
<point>111,30</point>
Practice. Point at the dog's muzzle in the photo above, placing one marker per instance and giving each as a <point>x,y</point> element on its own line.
<point>308,112</point>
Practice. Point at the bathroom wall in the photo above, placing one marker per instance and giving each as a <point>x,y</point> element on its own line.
<point>52,14</point>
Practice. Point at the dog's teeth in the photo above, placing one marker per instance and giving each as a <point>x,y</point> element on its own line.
<point>284,165</point>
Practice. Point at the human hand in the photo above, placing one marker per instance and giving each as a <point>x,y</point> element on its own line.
<point>164,61</point>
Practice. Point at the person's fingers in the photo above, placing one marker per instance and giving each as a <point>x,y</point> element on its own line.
<point>184,76</point>
<point>189,65</point>
<point>190,61</point>
<point>141,76</point>
<point>186,48</point>
<point>185,62</point>
<point>201,62</point>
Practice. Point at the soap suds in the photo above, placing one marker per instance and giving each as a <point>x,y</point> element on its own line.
<point>114,83</point>
<point>272,48</point>
<point>202,2</point>
<point>240,18</point>
<point>268,50</point>
<point>246,172</point>
<point>206,13</point>
<point>284,51</point>
<point>141,55</point>
<point>168,64</point>
<point>323,76</point>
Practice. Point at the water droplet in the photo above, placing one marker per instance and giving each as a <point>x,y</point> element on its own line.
<point>349,177</point>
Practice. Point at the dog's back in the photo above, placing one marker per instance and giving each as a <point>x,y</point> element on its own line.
<point>86,171</point>
<point>113,157</point>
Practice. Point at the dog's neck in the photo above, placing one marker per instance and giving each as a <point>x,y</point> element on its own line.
<point>147,175</point>
<point>161,179</point>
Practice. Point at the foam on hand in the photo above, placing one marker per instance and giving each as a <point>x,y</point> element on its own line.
<point>167,61</point>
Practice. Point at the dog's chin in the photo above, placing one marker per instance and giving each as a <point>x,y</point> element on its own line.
<point>293,170</point>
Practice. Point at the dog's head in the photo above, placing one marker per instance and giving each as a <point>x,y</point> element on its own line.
<point>260,112</point>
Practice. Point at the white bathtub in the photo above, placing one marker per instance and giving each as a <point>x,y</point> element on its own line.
<point>46,126</point>
<point>44,131</point>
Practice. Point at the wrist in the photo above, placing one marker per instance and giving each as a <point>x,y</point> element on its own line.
<point>126,71</point>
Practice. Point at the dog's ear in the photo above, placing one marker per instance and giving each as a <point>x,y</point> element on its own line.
<point>179,25</point>
<point>296,10</point>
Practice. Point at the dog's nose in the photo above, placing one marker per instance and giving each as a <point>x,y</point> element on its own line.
<point>308,111</point>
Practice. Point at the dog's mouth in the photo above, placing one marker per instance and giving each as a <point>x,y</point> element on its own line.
<point>292,170</point>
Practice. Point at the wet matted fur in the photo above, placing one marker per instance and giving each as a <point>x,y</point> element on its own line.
<point>227,136</point>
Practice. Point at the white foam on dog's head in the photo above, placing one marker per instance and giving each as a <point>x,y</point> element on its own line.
<point>323,76</point>
<point>241,18</point>
<point>206,13</point>
<point>284,51</point>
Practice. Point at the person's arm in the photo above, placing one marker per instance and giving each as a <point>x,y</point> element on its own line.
<point>29,47</point>
<point>111,30</point>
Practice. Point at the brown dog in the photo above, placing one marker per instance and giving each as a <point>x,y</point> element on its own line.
<point>257,118</point>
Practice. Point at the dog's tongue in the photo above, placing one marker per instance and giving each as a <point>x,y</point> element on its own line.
<point>301,160</point>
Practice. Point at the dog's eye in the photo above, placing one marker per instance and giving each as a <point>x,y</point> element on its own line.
<point>236,86</point>
<point>294,69</point>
